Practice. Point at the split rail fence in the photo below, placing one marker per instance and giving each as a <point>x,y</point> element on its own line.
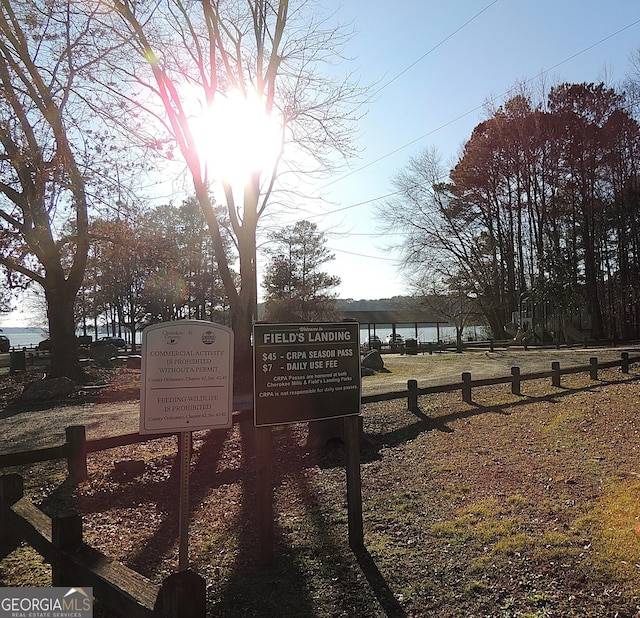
<point>515,379</point>
<point>74,563</point>
<point>76,447</point>
<point>182,595</point>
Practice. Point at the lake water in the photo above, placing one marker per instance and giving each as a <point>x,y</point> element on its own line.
<point>425,334</point>
<point>26,337</point>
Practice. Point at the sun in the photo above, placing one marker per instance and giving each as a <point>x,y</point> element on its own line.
<point>235,137</point>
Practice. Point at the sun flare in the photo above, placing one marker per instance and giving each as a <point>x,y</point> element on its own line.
<point>235,137</point>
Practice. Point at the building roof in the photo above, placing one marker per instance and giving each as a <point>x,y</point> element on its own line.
<point>395,316</point>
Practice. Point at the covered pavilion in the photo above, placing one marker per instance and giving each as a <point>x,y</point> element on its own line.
<point>395,318</point>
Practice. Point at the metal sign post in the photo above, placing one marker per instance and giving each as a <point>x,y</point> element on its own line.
<point>186,385</point>
<point>183,521</point>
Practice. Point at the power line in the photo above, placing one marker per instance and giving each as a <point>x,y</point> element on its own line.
<point>374,199</point>
<point>369,257</point>
<point>475,109</point>
<point>405,70</point>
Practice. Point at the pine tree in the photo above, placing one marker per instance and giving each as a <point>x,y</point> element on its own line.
<point>297,288</point>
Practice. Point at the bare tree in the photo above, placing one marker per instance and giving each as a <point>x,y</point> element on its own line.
<point>631,83</point>
<point>45,50</point>
<point>271,52</point>
<point>542,202</point>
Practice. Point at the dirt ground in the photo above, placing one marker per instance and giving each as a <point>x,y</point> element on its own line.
<point>28,429</point>
<point>512,506</point>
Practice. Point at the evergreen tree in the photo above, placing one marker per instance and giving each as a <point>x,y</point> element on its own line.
<point>297,288</point>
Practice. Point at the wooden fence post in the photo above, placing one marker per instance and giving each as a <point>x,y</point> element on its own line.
<point>466,387</point>
<point>515,381</point>
<point>555,377</point>
<point>354,481</point>
<point>593,371</point>
<point>66,536</point>
<point>11,490</point>
<point>182,595</point>
<point>77,454</point>
<point>625,362</point>
<point>412,397</point>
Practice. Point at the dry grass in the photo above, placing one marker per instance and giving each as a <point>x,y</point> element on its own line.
<point>512,506</point>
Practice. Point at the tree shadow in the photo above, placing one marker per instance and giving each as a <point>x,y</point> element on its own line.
<point>284,588</point>
<point>441,423</point>
<point>150,554</point>
<point>250,590</point>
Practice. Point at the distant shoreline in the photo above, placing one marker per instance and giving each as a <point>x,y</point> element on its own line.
<point>30,336</point>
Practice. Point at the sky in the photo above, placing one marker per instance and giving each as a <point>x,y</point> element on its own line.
<point>437,63</point>
<point>434,65</point>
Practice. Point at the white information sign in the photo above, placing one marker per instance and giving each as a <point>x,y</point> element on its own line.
<point>187,377</point>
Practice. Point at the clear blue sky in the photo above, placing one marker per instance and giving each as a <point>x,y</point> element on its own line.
<point>445,59</point>
<point>438,62</point>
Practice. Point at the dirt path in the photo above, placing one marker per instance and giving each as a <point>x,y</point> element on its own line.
<point>40,428</point>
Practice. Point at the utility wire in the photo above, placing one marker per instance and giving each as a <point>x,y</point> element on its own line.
<point>370,257</point>
<point>406,69</point>
<point>477,108</point>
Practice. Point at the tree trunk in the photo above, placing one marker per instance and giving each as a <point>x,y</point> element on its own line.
<point>64,352</point>
<point>591,280</point>
<point>242,325</point>
<point>243,313</point>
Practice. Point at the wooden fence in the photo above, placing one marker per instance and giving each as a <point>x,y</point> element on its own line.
<point>77,447</point>
<point>59,540</point>
<point>515,379</point>
<point>74,563</point>
<point>75,450</point>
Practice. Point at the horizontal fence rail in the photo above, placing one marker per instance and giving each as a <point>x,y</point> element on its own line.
<point>74,563</point>
<point>515,379</point>
<point>76,447</point>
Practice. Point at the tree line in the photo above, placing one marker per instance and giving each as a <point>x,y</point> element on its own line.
<point>160,266</point>
<point>542,205</point>
<point>154,267</point>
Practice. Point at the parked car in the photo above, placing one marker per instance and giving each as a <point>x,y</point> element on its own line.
<point>45,344</point>
<point>119,342</point>
<point>394,339</point>
<point>5,344</point>
<point>84,340</point>
<point>372,342</point>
